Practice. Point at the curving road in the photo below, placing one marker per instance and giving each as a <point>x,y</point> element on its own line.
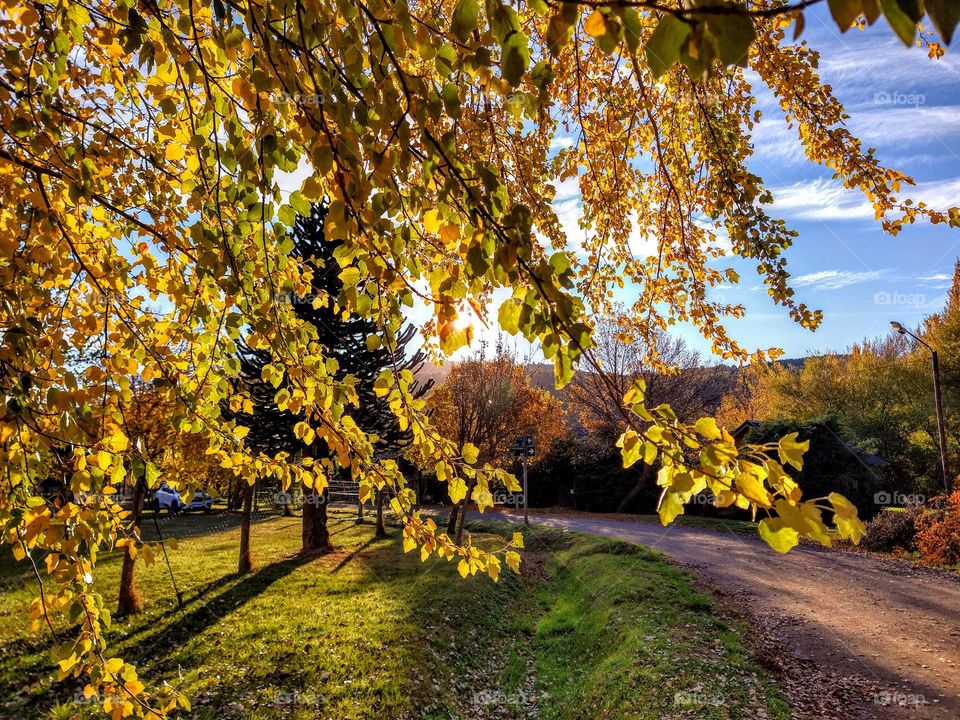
<point>883,635</point>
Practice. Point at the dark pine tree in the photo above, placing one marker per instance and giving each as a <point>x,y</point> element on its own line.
<point>343,338</point>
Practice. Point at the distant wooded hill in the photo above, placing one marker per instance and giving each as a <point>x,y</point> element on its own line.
<point>541,374</point>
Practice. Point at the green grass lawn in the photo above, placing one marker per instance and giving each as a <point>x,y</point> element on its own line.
<point>592,629</point>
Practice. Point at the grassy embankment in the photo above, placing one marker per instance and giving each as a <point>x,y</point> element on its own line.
<point>592,629</point>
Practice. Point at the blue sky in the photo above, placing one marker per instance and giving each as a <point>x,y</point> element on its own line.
<point>906,106</point>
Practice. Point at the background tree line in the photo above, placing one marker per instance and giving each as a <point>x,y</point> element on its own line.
<point>869,413</point>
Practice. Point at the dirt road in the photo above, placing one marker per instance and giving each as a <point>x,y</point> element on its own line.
<point>881,636</point>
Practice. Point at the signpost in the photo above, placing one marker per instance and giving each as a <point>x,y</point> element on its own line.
<point>523,448</point>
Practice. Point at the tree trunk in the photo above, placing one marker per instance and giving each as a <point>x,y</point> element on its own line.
<point>463,514</point>
<point>454,518</point>
<point>315,536</point>
<point>246,562</point>
<point>359,512</point>
<point>634,491</point>
<point>463,510</point>
<point>130,601</point>
<point>381,531</point>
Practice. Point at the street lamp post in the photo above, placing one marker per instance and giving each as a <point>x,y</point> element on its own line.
<point>938,399</point>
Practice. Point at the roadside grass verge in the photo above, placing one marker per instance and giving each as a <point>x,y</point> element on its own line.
<point>721,524</point>
<point>592,629</point>
<point>622,633</point>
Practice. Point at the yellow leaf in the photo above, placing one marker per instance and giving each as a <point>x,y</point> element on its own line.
<point>365,492</point>
<point>630,447</point>
<point>778,535</point>
<point>595,25</point>
<point>791,450</point>
<point>750,484</point>
<point>513,560</point>
<point>312,188</point>
<point>804,519</point>
<point>849,526</point>
<point>457,489</point>
<point>483,497</point>
<point>68,662</point>
<point>708,427</point>
<point>174,152</point>
<point>103,459</point>
<point>670,506</point>
<point>470,453</point>
<point>449,234</point>
<point>518,540</point>
<point>117,442</point>
<point>493,568</point>
<point>431,220</point>
<point>725,498</point>
<point>780,480</point>
<point>463,567</point>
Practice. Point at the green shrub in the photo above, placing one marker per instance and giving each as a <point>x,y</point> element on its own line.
<point>892,529</point>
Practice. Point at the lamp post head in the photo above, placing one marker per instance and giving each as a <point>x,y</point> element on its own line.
<point>898,327</point>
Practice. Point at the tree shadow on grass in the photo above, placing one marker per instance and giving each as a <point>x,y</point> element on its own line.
<point>162,642</point>
<point>189,525</point>
<point>357,551</point>
<point>204,609</point>
<point>153,646</point>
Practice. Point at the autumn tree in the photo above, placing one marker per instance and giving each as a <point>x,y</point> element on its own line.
<point>878,392</point>
<point>673,374</point>
<point>356,355</point>
<point>484,405</point>
<point>143,151</point>
<point>149,414</point>
<point>748,397</point>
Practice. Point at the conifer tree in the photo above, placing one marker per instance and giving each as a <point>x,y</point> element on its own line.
<point>345,338</point>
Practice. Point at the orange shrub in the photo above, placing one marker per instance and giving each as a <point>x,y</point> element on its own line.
<point>938,530</point>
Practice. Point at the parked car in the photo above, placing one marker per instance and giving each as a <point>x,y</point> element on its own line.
<point>201,502</point>
<point>165,498</point>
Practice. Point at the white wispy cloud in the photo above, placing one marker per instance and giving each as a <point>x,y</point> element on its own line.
<point>899,101</point>
<point>562,141</point>
<point>820,200</point>
<point>836,279</point>
<point>939,194</point>
<point>888,65</point>
<point>823,199</point>
<point>908,125</point>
